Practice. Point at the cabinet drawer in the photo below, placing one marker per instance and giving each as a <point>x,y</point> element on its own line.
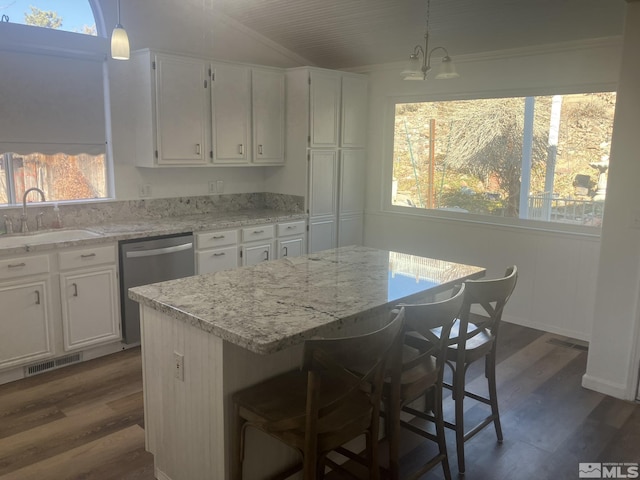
<point>257,232</point>
<point>86,257</point>
<point>20,267</point>
<point>211,261</point>
<point>291,228</point>
<point>216,239</point>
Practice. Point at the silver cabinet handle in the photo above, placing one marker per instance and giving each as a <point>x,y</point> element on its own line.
<point>159,251</point>
<point>260,150</point>
<point>258,231</point>
<point>219,254</point>
<point>75,289</point>
<point>218,237</point>
<point>197,149</point>
<point>266,254</point>
<point>291,227</point>
<point>285,251</point>
<point>17,265</point>
<point>88,255</point>
<point>37,297</point>
<point>241,149</point>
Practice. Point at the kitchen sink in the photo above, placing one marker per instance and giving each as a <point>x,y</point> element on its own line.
<point>49,236</point>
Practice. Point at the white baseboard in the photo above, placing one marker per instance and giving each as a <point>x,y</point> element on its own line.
<point>546,327</point>
<point>160,475</point>
<point>600,385</point>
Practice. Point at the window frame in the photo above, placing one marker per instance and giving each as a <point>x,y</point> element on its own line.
<point>451,216</point>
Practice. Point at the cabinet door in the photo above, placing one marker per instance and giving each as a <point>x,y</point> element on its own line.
<point>182,110</point>
<point>257,253</point>
<point>322,234</point>
<point>352,178</point>
<point>350,230</point>
<point>231,113</point>
<point>89,307</point>
<point>268,116</point>
<point>24,329</point>
<point>354,112</point>
<point>291,247</point>
<point>210,261</point>
<point>325,109</point>
<point>323,184</point>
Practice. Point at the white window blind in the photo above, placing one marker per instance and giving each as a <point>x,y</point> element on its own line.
<point>51,104</point>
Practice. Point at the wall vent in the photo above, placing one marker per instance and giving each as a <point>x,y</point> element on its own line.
<point>52,364</point>
<point>577,344</point>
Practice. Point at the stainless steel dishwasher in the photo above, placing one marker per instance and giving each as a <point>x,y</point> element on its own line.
<point>150,260</point>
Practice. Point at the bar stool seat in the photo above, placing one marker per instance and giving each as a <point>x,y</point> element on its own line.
<point>326,403</point>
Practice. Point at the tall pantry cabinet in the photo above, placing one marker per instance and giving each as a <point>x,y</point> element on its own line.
<point>326,124</point>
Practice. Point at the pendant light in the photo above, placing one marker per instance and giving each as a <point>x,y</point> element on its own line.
<point>119,41</point>
<point>418,70</point>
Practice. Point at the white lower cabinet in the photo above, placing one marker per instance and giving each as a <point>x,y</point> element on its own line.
<point>253,254</point>
<point>89,293</point>
<point>89,307</point>
<point>322,233</point>
<point>291,239</point>
<point>216,251</point>
<point>350,230</point>
<point>25,328</point>
<point>257,244</point>
<point>290,247</point>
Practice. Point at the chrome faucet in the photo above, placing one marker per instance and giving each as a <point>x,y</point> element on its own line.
<point>23,217</point>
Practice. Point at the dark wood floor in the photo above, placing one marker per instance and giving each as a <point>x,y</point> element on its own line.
<point>86,421</point>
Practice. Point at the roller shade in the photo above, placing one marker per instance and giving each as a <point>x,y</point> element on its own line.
<point>51,104</point>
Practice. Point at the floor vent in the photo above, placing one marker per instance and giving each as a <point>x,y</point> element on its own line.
<point>577,344</point>
<point>51,364</point>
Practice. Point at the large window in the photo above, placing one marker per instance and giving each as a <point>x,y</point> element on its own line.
<point>69,15</point>
<point>542,158</point>
<point>52,102</point>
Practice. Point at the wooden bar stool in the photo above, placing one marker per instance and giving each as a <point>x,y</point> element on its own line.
<point>475,338</point>
<point>326,403</point>
<point>426,339</point>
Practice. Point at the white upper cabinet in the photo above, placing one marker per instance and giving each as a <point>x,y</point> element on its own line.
<point>231,113</point>
<point>325,109</point>
<point>268,102</point>
<point>182,96</point>
<point>194,112</point>
<point>353,132</point>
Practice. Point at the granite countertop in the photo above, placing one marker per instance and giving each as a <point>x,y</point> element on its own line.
<point>273,305</point>
<point>112,232</point>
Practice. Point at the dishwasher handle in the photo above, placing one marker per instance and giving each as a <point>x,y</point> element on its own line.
<point>159,251</point>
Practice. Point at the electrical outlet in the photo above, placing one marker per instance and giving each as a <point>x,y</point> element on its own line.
<point>219,186</point>
<point>634,219</point>
<point>178,361</point>
<point>144,190</point>
<point>212,187</point>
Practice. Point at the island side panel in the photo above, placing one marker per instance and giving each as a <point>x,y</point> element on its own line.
<point>188,423</point>
<point>184,419</point>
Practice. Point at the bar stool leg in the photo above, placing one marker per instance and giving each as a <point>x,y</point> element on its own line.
<point>458,397</point>
<point>493,393</point>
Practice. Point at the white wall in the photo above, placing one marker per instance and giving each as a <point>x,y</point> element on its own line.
<point>614,352</point>
<point>191,28</point>
<point>558,271</point>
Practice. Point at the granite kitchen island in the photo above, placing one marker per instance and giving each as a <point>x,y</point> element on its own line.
<point>207,336</point>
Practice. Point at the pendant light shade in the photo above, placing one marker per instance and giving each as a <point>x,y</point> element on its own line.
<point>119,41</point>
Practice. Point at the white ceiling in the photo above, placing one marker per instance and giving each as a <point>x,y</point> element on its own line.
<point>351,33</point>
